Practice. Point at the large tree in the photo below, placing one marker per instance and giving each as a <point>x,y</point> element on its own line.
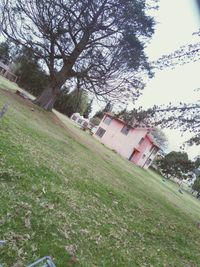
<point>98,44</point>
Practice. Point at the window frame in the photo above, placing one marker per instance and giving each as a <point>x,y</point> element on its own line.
<point>125,132</point>
<point>100,132</point>
<point>155,150</point>
<point>108,119</point>
<point>141,141</point>
<point>152,148</point>
<point>148,162</point>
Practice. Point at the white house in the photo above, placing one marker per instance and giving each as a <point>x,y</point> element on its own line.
<point>80,120</point>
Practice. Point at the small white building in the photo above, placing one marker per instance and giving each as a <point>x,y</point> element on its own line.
<point>80,120</point>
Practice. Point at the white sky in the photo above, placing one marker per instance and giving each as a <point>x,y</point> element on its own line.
<point>177,20</point>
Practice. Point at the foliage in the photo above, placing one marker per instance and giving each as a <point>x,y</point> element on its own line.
<point>88,110</point>
<point>95,121</point>
<point>196,185</point>
<point>175,164</point>
<point>75,101</point>
<point>108,107</point>
<point>99,44</point>
<point>184,55</point>
<point>31,76</point>
<point>183,116</point>
<point>160,137</point>
<point>98,116</point>
<point>197,162</point>
<point>5,52</point>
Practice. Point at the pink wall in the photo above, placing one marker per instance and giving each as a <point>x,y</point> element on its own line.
<point>125,144</point>
<point>144,151</point>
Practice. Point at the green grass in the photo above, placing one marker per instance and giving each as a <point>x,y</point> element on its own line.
<point>6,84</point>
<point>62,191</point>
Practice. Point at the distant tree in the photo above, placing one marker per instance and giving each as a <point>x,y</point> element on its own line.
<point>108,107</point>
<point>197,162</point>
<point>31,76</point>
<point>99,43</point>
<point>160,138</point>
<point>175,164</point>
<point>73,102</point>
<point>88,110</point>
<point>99,114</point>
<point>5,52</point>
<point>196,185</point>
<point>95,121</point>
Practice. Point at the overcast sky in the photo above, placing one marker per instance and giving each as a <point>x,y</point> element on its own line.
<point>177,20</point>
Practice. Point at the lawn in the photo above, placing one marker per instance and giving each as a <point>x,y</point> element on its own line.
<point>65,195</point>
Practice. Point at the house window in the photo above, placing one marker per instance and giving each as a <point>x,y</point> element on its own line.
<point>125,130</point>
<point>107,120</point>
<point>85,124</point>
<point>100,132</point>
<point>74,118</point>
<point>141,141</point>
<point>148,162</point>
<point>143,156</point>
<point>151,149</point>
<point>155,150</point>
<point>79,121</point>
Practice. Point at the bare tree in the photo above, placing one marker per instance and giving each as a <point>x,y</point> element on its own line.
<point>97,44</point>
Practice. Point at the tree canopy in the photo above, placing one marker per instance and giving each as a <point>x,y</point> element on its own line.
<point>96,43</point>
<point>196,185</point>
<point>175,164</point>
<point>75,101</point>
<point>31,77</point>
<point>4,52</point>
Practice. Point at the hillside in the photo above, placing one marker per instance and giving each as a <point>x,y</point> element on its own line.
<point>64,193</point>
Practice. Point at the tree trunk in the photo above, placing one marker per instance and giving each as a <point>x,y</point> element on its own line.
<point>47,99</point>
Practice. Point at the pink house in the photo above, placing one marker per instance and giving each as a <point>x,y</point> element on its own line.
<point>135,144</point>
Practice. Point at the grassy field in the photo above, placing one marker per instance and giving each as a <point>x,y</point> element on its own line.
<point>65,195</point>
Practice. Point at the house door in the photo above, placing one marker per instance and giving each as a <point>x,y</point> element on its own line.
<point>132,156</point>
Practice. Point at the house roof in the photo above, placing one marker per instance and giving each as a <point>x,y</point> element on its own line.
<point>150,137</point>
<point>129,125</point>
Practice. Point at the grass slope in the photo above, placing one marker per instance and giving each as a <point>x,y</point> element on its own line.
<point>64,193</point>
